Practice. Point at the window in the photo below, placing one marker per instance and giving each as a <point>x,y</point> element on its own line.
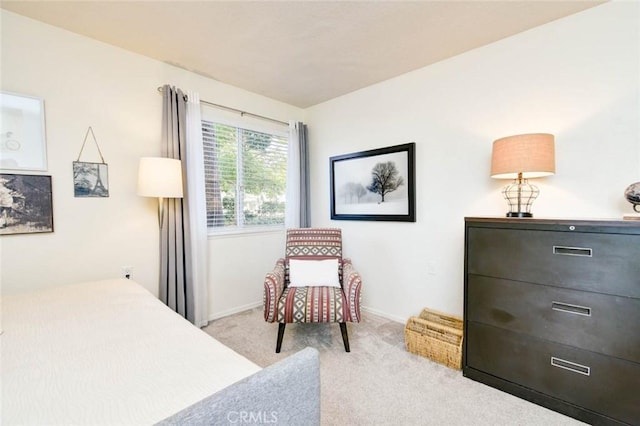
<point>245,177</point>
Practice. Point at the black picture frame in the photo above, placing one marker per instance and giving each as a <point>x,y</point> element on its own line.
<point>362,182</point>
<point>26,204</point>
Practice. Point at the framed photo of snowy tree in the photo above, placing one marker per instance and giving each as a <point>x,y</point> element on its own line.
<point>378,184</point>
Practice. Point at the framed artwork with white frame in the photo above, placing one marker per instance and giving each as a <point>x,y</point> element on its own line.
<point>22,133</point>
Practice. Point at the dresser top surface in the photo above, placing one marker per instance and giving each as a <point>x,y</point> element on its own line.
<point>592,225</point>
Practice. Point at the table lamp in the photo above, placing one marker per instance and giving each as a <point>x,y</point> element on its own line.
<point>521,157</point>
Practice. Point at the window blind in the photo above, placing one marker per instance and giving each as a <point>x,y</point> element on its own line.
<point>245,176</point>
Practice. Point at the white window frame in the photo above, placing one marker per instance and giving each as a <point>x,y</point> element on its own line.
<point>244,122</point>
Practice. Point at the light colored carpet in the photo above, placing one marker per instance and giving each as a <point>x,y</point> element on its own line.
<point>379,382</point>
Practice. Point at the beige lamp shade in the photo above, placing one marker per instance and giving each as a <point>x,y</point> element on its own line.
<point>531,154</point>
<point>160,177</point>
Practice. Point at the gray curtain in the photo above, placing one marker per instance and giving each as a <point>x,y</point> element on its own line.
<point>176,282</point>
<point>305,208</point>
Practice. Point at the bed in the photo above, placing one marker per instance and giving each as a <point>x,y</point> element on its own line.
<point>109,352</point>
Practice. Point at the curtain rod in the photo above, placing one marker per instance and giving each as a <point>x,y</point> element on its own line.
<point>242,113</point>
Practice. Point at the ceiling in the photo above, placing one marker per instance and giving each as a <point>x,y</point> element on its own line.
<point>299,52</point>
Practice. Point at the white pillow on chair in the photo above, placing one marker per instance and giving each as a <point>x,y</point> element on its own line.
<point>313,273</point>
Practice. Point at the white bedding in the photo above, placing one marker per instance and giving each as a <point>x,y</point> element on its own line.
<point>105,352</point>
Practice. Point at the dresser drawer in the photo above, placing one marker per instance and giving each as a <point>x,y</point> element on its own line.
<point>606,385</point>
<point>592,321</point>
<point>603,263</point>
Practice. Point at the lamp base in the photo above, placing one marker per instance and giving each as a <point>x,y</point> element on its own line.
<point>519,214</point>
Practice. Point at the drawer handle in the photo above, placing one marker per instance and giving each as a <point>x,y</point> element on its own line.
<point>571,366</point>
<point>571,309</point>
<point>573,251</point>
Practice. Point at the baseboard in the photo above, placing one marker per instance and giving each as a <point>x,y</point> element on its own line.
<point>235,310</point>
<point>384,315</point>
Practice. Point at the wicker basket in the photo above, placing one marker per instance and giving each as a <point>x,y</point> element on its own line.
<point>436,336</point>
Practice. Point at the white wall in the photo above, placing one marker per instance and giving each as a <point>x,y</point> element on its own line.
<point>238,277</point>
<point>88,83</point>
<point>577,78</point>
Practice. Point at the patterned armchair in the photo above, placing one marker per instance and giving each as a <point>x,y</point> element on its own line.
<point>287,304</point>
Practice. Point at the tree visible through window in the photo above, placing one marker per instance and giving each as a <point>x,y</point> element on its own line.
<point>245,176</point>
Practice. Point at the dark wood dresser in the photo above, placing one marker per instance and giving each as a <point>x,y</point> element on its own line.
<point>552,313</point>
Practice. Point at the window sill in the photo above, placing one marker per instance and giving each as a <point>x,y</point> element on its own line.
<point>244,232</point>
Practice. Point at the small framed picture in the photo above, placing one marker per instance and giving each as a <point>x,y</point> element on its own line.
<point>22,133</point>
<point>90,179</point>
<point>25,204</point>
<point>374,185</point>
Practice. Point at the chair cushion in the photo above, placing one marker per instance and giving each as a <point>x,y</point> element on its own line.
<point>312,304</point>
<point>305,273</point>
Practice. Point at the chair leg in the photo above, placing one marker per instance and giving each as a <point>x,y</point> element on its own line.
<point>280,334</point>
<point>345,337</point>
